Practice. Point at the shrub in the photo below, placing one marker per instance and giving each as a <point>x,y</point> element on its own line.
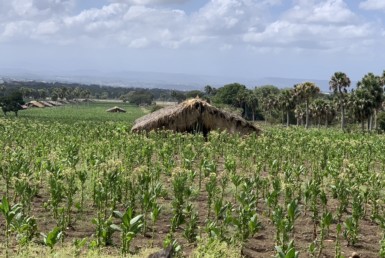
<point>215,248</point>
<point>381,121</point>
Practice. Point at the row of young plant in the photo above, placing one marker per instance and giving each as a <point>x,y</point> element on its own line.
<point>227,188</point>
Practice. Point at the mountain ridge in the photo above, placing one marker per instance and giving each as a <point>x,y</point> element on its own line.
<point>177,81</point>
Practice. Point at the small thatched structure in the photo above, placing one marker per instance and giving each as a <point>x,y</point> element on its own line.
<point>64,101</point>
<point>54,103</point>
<point>35,103</point>
<point>46,103</point>
<point>116,109</point>
<point>194,115</point>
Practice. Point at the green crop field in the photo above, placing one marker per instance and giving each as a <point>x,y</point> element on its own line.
<point>94,111</point>
<point>74,181</point>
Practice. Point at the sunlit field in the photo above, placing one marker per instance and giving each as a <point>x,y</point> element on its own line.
<point>76,182</point>
<point>93,111</point>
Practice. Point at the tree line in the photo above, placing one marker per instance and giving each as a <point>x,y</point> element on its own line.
<point>58,90</point>
<point>304,104</point>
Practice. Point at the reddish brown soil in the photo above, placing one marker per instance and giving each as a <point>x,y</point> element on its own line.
<point>261,245</point>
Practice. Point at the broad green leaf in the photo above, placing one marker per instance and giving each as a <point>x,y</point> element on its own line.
<point>136,219</point>
<point>116,227</point>
<point>118,214</point>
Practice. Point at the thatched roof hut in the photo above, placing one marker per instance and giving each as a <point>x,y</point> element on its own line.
<point>116,109</point>
<point>55,103</point>
<point>64,101</point>
<point>35,103</point>
<point>46,103</point>
<point>194,115</point>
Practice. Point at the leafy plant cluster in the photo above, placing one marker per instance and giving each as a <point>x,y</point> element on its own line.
<point>224,191</point>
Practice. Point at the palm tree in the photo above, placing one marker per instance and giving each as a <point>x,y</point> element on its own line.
<point>210,91</point>
<point>300,112</point>
<point>318,108</point>
<point>252,103</point>
<point>25,92</point>
<point>329,112</point>
<point>305,92</point>
<point>371,90</point>
<point>360,105</point>
<point>268,104</point>
<point>339,83</point>
<point>286,100</point>
<point>43,93</point>
<point>85,94</point>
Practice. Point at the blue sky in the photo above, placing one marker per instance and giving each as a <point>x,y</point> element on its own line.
<point>231,38</point>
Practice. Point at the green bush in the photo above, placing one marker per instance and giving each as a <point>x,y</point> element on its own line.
<point>214,248</point>
<point>381,121</point>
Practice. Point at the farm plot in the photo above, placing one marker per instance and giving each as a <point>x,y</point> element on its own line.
<point>96,187</point>
<point>90,111</point>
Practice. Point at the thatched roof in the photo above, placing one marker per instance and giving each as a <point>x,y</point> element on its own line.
<point>35,103</point>
<point>55,103</point>
<point>45,103</point>
<point>194,115</point>
<point>64,101</point>
<point>116,109</point>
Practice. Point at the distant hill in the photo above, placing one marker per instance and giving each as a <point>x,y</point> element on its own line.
<point>177,81</point>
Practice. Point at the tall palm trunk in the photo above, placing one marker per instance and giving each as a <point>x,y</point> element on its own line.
<point>271,116</point>
<point>375,120</point>
<point>283,117</point>
<point>307,114</point>
<point>371,122</point>
<point>287,118</point>
<point>326,121</point>
<point>342,117</point>
<point>363,125</point>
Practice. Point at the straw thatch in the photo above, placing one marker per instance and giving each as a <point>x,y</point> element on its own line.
<point>116,109</point>
<point>194,115</point>
<point>46,103</point>
<point>55,103</point>
<point>63,101</point>
<point>35,103</point>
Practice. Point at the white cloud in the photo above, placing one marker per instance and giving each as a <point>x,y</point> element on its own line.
<point>327,24</point>
<point>373,5</point>
<point>226,18</point>
<point>330,11</point>
<point>16,29</point>
<point>30,9</point>
<point>47,28</point>
<point>139,43</point>
<point>108,12</point>
<point>148,2</point>
<point>272,2</point>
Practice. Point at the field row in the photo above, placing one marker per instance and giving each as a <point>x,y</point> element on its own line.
<point>96,186</point>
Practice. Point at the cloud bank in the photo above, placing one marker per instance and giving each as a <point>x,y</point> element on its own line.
<point>324,25</point>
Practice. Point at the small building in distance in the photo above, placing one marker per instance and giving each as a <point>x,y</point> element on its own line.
<point>34,103</point>
<point>116,109</point>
